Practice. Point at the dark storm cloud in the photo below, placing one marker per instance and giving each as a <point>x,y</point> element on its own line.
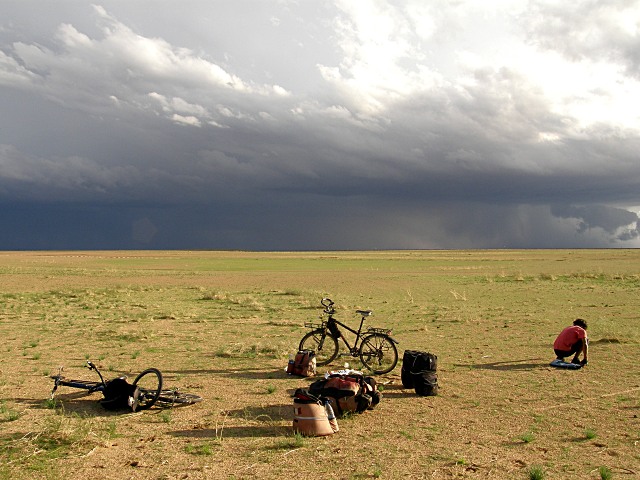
<point>298,126</point>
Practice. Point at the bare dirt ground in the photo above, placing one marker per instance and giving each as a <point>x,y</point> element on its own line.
<point>222,324</point>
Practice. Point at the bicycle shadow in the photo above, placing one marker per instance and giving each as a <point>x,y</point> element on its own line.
<point>78,403</point>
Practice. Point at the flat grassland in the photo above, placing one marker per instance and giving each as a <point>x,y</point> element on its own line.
<point>222,325</point>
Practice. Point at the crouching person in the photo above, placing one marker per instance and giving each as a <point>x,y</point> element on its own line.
<point>573,341</point>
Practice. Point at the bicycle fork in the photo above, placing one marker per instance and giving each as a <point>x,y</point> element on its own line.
<point>56,383</point>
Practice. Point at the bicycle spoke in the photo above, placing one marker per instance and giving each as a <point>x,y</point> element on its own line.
<point>149,384</point>
<point>378,353</point>
<point>326,349</point>
<point>173,398</point>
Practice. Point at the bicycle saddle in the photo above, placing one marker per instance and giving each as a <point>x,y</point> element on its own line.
<point>364,313</point>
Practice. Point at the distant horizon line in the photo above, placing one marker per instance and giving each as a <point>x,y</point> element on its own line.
<point>62,250</point>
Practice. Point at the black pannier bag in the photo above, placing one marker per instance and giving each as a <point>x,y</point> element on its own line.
<point>117,393</point>
<point>333,328</point>
<point>414,361</point>
<point>425,383</point>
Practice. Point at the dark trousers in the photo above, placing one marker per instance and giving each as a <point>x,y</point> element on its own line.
<point>576,348</point>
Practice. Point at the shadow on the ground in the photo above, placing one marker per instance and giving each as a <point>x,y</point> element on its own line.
<point>241,373</point>
<point>267,413</point>
<point>527,364</point>
<point>233,432</point>
<point>78,403</point>
<point>397,391</point>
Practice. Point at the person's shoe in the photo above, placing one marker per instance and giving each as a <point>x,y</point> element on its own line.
<point>575,360</point>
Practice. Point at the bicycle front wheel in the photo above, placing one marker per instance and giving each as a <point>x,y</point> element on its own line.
<point>323,344</point>
<point>378,353</point>
<point>150,384</point>
<point>170,398</point>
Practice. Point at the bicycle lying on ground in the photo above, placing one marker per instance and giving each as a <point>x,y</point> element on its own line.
<point>145,392</point>
<point>375,347</point>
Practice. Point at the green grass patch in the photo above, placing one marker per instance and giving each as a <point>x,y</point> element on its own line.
<point>605,473</point>
<point>536,472</point>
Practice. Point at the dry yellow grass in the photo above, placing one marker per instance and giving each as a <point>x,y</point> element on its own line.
<point>221,324</point>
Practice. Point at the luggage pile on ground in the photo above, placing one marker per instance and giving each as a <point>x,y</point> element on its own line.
<point>348,391</point>
<point>419,372</point>
<point>336,395</point>
<point>344,392</point>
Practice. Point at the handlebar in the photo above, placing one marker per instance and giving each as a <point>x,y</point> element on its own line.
<point>91,366</point>
<point>327,303</point>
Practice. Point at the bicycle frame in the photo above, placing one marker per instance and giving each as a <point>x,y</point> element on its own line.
<point>327,303</point>
<point>374,346</point>
<point>141,397</point>
<point>91,386</point>
<point>117,392</point>
<point>357,333</point>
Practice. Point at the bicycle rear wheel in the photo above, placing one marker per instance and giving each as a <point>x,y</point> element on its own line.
<point>149,383</point>
<point>170,398</point>
<point>325,346</point>
<point>378,353</point>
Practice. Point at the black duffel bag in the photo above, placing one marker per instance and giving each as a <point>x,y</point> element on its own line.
<point>425,383</point>
<point>414,361</point>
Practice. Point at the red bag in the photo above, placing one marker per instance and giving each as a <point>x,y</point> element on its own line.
<point>346,386</point>
<point>304,364</point>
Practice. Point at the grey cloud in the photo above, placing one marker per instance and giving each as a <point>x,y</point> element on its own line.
<point>589,29</point>
<point>619,223</point>
<point>125,70</point>
<point>630,234</point>
<point>73,178</point>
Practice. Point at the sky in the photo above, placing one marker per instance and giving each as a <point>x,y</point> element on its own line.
<point>319,125</point>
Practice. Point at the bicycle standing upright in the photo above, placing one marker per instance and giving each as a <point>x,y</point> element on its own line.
<point>375,346</point>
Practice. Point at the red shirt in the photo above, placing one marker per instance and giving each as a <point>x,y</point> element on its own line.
<point>568,337</point>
